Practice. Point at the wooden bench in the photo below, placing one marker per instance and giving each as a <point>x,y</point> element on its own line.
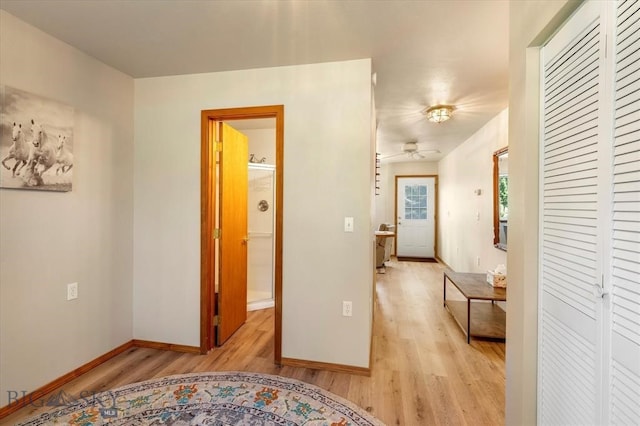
<point>478,319</point>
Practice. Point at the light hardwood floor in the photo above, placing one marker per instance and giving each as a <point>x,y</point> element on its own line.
<point>423,371</point>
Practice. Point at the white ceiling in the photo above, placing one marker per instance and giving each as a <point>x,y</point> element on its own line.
<point>423,52</point>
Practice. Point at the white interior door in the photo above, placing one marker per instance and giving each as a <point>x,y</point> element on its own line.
<point>624,368</point>
<point>573,167</point>
<point>416,210</point>
<point>589,305</point>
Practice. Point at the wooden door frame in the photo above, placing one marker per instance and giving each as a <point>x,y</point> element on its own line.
<point>435,213</point>
<point>496,180</point>
<point>207,210</point>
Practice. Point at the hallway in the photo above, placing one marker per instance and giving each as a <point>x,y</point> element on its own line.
<point>421,352</point>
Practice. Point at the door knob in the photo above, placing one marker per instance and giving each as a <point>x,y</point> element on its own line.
<point>598,291</point>
<point>245,240</point>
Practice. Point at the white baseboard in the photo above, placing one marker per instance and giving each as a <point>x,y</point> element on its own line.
<point>261,304</point>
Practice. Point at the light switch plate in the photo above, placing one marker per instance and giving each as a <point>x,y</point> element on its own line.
<point>348,224</point>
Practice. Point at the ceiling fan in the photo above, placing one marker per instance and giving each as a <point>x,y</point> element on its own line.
<point>410,149</point>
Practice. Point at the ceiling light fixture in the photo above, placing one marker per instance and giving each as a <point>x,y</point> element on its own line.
<point>439,113</point>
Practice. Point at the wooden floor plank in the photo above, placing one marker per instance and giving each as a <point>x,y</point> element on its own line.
<point>423,370</point>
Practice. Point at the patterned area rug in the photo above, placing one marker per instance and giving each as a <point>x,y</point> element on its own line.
<point>226,398</point>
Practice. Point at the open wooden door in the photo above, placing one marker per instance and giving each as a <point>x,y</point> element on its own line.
<point>233,187</point>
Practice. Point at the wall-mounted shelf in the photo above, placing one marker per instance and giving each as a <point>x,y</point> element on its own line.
<point>377,173</point>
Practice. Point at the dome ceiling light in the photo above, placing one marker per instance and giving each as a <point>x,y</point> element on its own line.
<point>439,113</point>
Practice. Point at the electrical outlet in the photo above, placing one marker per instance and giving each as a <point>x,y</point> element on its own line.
<point>72,291</point>
<point>478,260</point>
<point>347,308</point>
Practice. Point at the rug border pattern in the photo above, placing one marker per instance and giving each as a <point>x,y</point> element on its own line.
<point>340,405</point>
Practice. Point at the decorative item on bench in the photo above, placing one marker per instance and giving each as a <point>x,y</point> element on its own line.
<point>498,277</point>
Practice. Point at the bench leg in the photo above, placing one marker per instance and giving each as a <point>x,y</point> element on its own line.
<point>468,321</point>
<point>444,290</point>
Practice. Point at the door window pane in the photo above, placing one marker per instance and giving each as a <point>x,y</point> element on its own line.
<point>407,203</point>
<point>415,202</point>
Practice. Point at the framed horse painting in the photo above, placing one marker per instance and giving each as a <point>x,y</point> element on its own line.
<point>36,142</point>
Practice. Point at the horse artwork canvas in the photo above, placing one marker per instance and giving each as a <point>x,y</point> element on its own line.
<point>36,142</point>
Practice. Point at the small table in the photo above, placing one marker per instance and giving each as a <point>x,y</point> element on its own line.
<point>489,319</point>
<point>385,234</point>
<point>382,243</point>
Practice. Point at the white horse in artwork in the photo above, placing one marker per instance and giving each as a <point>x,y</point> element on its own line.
<point>64,156</point>
<point>19,151</point>
<point>44,152</point>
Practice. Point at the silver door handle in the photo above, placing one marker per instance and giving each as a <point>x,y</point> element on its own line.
<point>598,291</point>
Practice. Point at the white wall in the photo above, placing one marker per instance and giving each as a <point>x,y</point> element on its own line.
<point>530,23</point>
<point>262,143</point>
<point>327,176</point>
<point>466,219</point>
<point>50,239</point>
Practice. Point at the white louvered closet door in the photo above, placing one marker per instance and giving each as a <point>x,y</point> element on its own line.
<point>589,305</point>
<point>624,376</point>
<point>571,253</point>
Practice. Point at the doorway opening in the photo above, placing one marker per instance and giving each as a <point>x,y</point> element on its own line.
<point>210,252</point>
<point>261,212</point>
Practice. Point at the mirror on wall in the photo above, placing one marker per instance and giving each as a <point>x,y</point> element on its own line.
<point>500,197</point>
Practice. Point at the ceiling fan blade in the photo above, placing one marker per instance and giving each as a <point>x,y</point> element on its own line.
<point>412,154</point>
<point>384,157</point>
